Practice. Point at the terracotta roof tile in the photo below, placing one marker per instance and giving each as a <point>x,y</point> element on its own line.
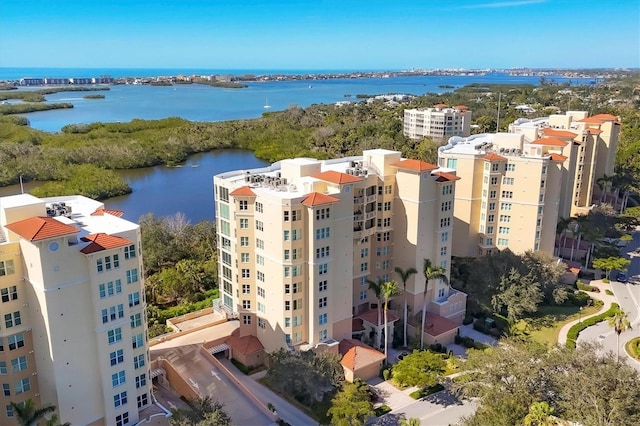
<point>494,157</point>
<point>547,131</point>
<point>357,325</point>
<point>101,212</point>
<point>40,228</point>
<point>357,355</point>
<point>461,107</point>
<point>435,325</point>
<point>337,177</point>
<point>441,106</point>
<point>594,131</point>
<point>591,120</point>
<point>103,241</point>
<point>558,157</point>
<point>371,316</point>
<point>550,142</point>
<point>445,177</point>
<point>606,117</point>
<point>243,191</point>
<point>244,345</point>
<point>318,199</point>
<point>415,165</point>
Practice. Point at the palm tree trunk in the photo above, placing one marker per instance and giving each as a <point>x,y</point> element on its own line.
<point>617,346</point>
<point>424,316</point>
<point>405,318</point>
<point>386,337</point>
<point>378,332</point>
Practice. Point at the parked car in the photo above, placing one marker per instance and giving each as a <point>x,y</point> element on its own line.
<point>622,277</point>
<point>634,279</point>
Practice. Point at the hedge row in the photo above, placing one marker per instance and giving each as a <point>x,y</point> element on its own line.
<point>574,331</point>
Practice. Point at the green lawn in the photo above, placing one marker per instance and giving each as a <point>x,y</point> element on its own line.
<point>545,326</point>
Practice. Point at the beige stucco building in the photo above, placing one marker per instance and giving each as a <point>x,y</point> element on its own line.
<point>438,122</point>
<point>515,186</point>
<point>74,332</point>
<point>298,241</point>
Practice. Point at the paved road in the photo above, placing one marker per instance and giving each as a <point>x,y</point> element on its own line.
<point>208,381</point>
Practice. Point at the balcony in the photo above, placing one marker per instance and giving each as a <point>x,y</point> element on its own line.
<point>371,198</point>
<point>358,200</point>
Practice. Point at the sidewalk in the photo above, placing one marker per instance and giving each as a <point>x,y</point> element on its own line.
<point>391,395</point>
<point>603,296</point>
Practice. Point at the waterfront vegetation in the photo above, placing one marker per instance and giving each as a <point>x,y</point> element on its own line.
<point>31,107</point>
<point>93,96</point>
<point>319,131</point>
<point>39,95</point>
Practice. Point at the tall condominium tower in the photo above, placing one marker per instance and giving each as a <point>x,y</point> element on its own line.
<point>298,241</point>
<point>441,121</point>
<point>74,332</point>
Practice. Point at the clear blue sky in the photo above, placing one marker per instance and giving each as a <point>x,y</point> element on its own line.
<point>319,34</point>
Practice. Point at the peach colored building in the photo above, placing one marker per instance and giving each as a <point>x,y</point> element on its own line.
<point>299,239</point>
<point>74,333</point>
<point>441,121</point>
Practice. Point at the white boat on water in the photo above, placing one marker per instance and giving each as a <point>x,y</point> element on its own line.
<point>266,104</point>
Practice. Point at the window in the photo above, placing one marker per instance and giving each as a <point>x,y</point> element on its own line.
<point>494,167</point>
<point>297,234</point>
<point>246,288</point>
<point>114,335</point>
<point>259,208</point>
<point>246,273</point>
<point>19,364</point>
<point>503,242</point>
<point>507,180</point>
<point>3,368</point>
<point>446,206</point>
<point>116,261</point>
<point>363,295</point>
<point>323,233</point>
<point>246,304</point>
<point>244,205</point>
<point>322,335</point>
<point>383,236</point>
<point>323,268</point>
<point>120,399</point>
<point>322,302</point>
<point>489,241</point>
<point>12,319</point>
<point>246,319</point>
<point>287,305</point>
<point>504,230</point>
<point>16,341</point>
<point>387,206</point>
<point>22,386</point>
<point>388,189</point>
<point>296,287</point>
<point>138,361</point>
<point>9,410</point>
<point>259,225</point>
<point>491,218</point>
<point>132,276</point>
<point>510,167</point>
<point>494,180</point>
<point>505,218</point>
<point>322,252</point>
<point>452,163</point>
<point>244,223</point>
<point>123,418</point>
<point>136,320</point>
<point>143,400</point>
<point>287,235</point>
<point>287,321</point>
<point>322,286</point>
<point>262,323</point>
<point>244,257</point>
<point>505,206</point>
<point>322,319</point>
<point>386,222</point>
<point>443,251</point>
<point>447,189</point>
<point>445,222</point>
<point>323,213</point>
<point>116,357</point>
<point>105,316</point>
<point>507,194</point>
<point>492,194</point>
<point>6,389</point>
<point>444,237</point>
<point>130,252</point>
<point>134,299</point>
<point>118,378</point>
<point>99,265</point>
<point>260,259</point>
<point>107,262</point>
<point>261,292</point>
<point>364,266</point>
<point>244,241</point>
<point>489,229</point>
<point>9,293</point>
<point>260,276</point>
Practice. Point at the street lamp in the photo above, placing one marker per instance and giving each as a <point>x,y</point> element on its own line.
<point>580,315</point>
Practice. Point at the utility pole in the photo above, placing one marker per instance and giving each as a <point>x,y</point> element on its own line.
<point>498,120</point>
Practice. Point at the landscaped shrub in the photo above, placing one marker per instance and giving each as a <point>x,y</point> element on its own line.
<point>457,340</point>
<point>586,275</point>
<point>424,392</point>
<point>437,347</point>
<point>386,373</point>
<point>382,410</point>
<point>609,292</point>
<point>467,320</point>
<point>572,335</point>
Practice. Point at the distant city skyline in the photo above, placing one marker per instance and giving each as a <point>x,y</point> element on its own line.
<point>330,34</point>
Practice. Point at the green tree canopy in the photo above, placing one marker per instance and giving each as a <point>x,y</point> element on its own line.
<point>205,412</point>
<point>419,368</point>
<point>609,263</point>
<point>352,405</point>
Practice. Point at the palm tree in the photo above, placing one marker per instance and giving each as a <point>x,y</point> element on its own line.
<point>593,234</point>
<point>431,272</point>
<point>404,276</point>
<point>561,228</point>
<point>604,183</point>
<point>376,286</point>
<point>27,414</point>
<point>389,289</point>
<point>620,323</point>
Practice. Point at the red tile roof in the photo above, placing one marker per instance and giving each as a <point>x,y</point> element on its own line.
<point>594,131</point>
<point>435,325</point>
<point>103,241</point>
<point>606,117</point>
<point>337,177</point>
<point>415,165</point>
<point>371,316</point>
<point>547,131</point>
<point>493,157</point>
<point>318,199</point>
<point>441,106</point>
<point>445,177</point>
<point>357,325</point>
<point>41,228</point>
<point>101,212</point>
<point>550,142</point>
<point>356,355</point>
<point>461,107</point>
<point>558,157</point>
<point>244,345</point>
<point>594,120</point>
<point>243,191</point>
